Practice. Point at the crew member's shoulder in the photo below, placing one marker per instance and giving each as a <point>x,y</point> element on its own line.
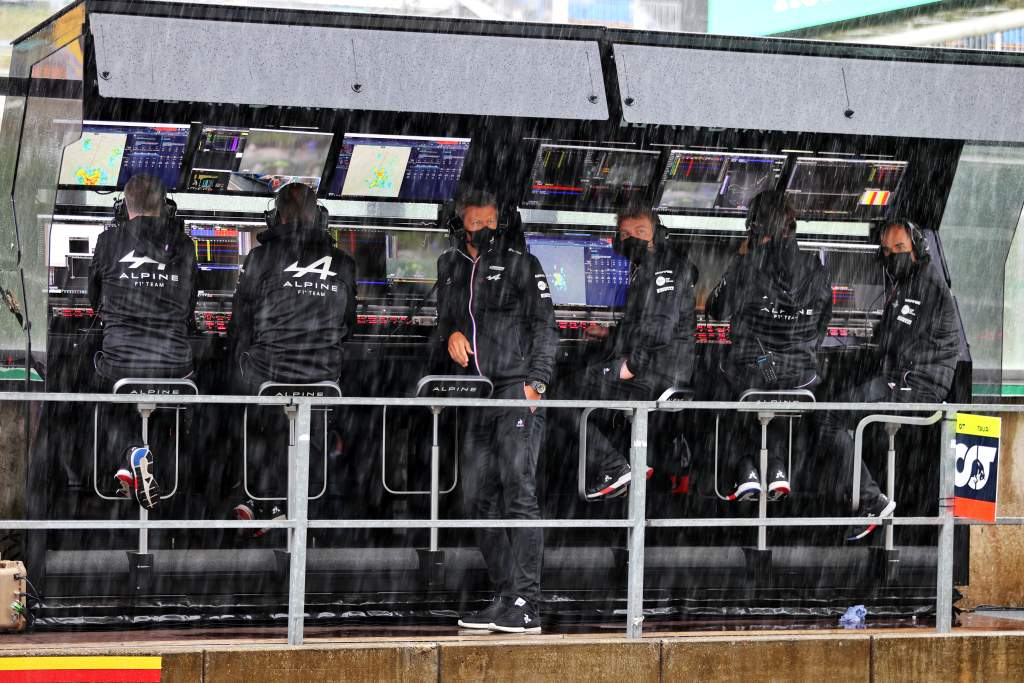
<point>929,278</point>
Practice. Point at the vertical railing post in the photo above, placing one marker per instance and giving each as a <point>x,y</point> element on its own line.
<point>638,518</point>
<point>297,511</point>
<point>944,554</point>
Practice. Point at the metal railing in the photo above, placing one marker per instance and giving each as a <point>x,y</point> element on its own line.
<point>636,521</point>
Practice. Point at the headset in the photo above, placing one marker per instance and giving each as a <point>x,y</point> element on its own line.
<point>918,242</point>
<point>170,212</point>
<point>660,237</point>
<point>323,216</point>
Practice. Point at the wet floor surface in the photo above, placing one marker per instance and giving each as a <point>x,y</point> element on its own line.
<point>972,622</point>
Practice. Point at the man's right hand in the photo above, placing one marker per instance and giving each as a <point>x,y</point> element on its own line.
<point>459,348</point>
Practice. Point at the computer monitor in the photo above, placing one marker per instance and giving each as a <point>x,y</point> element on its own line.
<point>723,181</point>
<point>844,189</point>
<point>257,160</point>
<point>588,178</point>
<point>69,253</point>
<point>392,263</point>
<point>220,248</point>
<point>398,167</point>
<point>582,269</point>
<point>109,153</point>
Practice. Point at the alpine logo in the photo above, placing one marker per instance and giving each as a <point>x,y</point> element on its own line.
<point>137,261</point>
<point>322,267</point>
<point>495,277</point>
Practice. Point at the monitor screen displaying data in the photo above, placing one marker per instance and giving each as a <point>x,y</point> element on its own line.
<point>257,160</point>
<point>716,180</point>
<point>588,177</point>
<point>582,270</point>
<point>221,249</point>
<point>399,167</point>
<point>108,154</point>
<point>850,189</point>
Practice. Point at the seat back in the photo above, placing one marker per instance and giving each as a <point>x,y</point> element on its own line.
<point>672,397</point>
<point>146,386</point>
<point>776,396</point>
<point>311,390</point>
<point>454,386</point>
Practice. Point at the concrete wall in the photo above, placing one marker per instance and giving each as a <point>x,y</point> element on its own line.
<point>850,658</point>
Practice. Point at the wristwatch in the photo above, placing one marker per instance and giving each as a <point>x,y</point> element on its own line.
<point>537,386</point>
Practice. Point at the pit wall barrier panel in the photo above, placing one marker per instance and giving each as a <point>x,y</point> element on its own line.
<point>852,657</point>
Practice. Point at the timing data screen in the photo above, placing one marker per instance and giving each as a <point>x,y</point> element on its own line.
<point>714,180</point>
<point>399,167</point>
<point>851,189</point>
<point>220,250</point>
<point>582,270</point>
<point>257,160</point>
<point>588,177</point>
<point>108,154</point>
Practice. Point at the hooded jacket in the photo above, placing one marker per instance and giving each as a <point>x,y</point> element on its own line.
<point>501,302</point>
<point>655,334</point>
<point>142,281</point>
<point>918,338</point>
<point>778,300</point>
<point>293,308</point>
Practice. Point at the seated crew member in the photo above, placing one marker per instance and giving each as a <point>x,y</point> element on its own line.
<point>917,348</point>
<point>142,283</point>
<point>778,301</point>
<point>495,312</point>
<point>649,351</point>
<point>294,305</point>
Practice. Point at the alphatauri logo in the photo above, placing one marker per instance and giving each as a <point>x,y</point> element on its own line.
<point>321,267</point>
<point>136,261</point>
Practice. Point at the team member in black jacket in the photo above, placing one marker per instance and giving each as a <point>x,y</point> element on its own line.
<point>142,283</point>
<point>495,313</point>
<point>649,351</point>
<point>294,305</point>
<point>778,301</point>
<point>917,349</point>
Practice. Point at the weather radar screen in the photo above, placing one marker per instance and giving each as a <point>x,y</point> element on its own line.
<point>588,177</point>
<point>257,160</point>
<point>851,189</point>
<point>399,167</point>
<point>716,180</point>
<point>108,154</point>
<point>582,270</point>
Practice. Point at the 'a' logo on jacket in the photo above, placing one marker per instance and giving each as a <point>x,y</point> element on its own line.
<point>322,267</point>
<point>137,261</point>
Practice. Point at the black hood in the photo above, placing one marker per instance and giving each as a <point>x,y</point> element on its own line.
<point>158,238</point>
<point>297,231</point>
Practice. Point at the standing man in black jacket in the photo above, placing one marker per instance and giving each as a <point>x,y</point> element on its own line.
<point>650,350</point>
<point>778,301</point>
<point>293,308</point>
<point>917,348</point>
<point>496,316</point>
<point>142,284</point>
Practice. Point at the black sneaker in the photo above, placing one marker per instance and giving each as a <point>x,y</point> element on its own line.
<point>484,619</point>
<point>778,481</point>
<point>249,510</point>
<point>610,482</point>
<point>518,617</point>
<point>748,483</point>
<point>881,507</point>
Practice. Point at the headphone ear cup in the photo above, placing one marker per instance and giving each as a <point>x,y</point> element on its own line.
<point>120,212</point>
<point>323,217</point>
<point>270,217</point>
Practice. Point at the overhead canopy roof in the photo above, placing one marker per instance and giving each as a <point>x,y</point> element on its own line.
<point>166,58</point>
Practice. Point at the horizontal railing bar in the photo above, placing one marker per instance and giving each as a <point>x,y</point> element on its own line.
<point>134,524</point>
<point>790,521</point>
<point>497,403</point>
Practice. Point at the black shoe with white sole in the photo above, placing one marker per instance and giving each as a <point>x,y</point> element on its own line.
<point>610,483</point>
<point>519,616</point>
<point>881,507</point>
<point>484,618</point>
<point>778,481</point>
<point>748,483</point>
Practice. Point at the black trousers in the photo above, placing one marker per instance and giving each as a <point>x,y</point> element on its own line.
<point>835,439</point>
<point>500,447</point>
<point>608,431</point>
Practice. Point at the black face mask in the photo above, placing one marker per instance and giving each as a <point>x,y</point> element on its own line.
<point>899,265</point>
<point>632,248</point>
<point>481,239</point>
